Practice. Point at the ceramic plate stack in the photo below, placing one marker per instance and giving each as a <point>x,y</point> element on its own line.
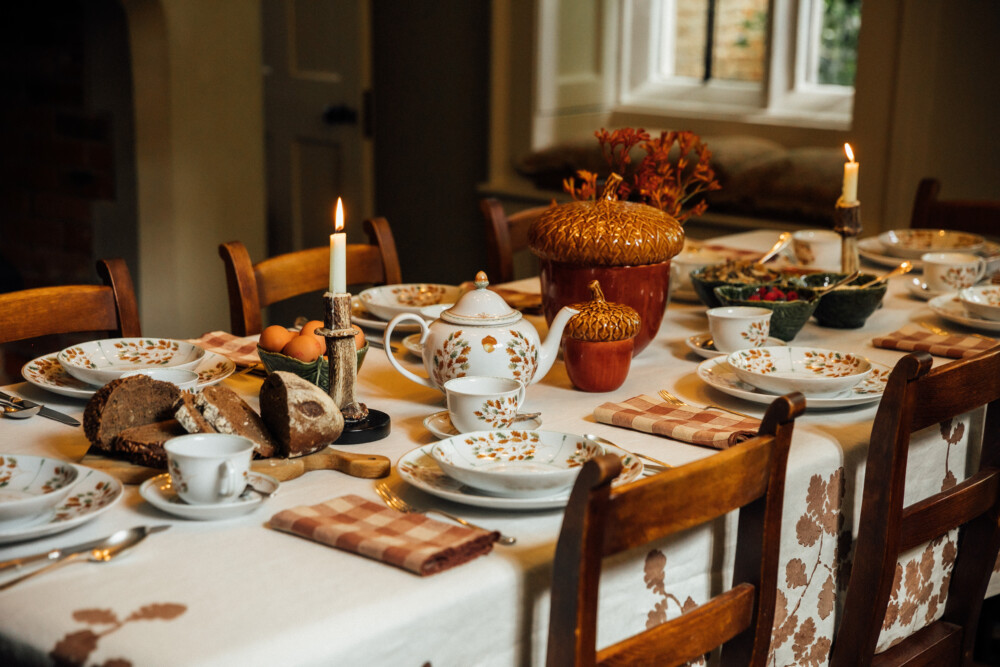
<point>375,306</point>
<point>892,247</point>
<point>80,370</point>
<point>507,469</point>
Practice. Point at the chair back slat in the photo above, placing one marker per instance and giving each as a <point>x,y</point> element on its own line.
<point>955,389</point>
<point>932,517</point>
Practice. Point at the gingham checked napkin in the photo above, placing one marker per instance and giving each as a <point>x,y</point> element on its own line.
<point>410,541</point>
<point>707,428</point>
<point>243,351</point>
<point>912,338</point>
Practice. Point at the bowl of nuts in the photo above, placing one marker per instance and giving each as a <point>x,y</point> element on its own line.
<point>735,273</point>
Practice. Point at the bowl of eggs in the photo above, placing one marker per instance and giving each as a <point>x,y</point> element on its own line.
<point>302,352</point>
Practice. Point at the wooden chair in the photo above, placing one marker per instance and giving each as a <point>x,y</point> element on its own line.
<point>917,397</point>
<point>254,286</point>
<point>42,311</point>
<point>977,217</point>
<point>601,521</point>
<point>505,235</point>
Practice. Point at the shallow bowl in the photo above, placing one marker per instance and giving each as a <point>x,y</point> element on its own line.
<point>31,485</point>
<point>182,378</point>
<point>912,243</point>
<point>317,372</point>
<point>101,361</point>
<point>736,274</point>
<point>982,301</point>
<point>847,307</point>
<point>515,463</point>
<point>812,371</point>
<point>788,317</point>
<point>387,301</point>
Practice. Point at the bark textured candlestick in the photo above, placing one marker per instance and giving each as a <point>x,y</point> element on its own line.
<point>848,225</point>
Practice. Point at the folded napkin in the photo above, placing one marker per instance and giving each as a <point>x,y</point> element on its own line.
<point>708,428</point>
<point>410,541</point>
<point>243,351</point>
<point>912,338</point>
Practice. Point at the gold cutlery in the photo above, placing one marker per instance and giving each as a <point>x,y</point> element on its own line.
<point>395,502</point>
<point>670,398</point>
<point>600,440</point>
<point>13,411</point>
<point>942,332</point>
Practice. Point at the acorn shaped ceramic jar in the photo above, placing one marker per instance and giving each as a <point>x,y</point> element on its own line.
<point>598,343</point>
<point>625,246</point>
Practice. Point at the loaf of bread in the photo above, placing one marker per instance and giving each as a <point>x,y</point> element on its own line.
<point>222,407</point>
<point>301,416</point>
<point>124,404</point>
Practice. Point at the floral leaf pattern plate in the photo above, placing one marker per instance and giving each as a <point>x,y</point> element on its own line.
<point>440,424</point>
<point>363,318</point>
<point>47,373</point>
<point>698,344</point>
<point>950,308</point>
<point>94,493</point>
<point>719,374</point>
<point>420,469</point>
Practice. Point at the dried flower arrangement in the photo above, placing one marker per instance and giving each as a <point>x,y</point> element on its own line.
<point>657,180</point>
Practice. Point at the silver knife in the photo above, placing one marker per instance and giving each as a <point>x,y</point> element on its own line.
<point>56,554</point>
<point>45,411</point>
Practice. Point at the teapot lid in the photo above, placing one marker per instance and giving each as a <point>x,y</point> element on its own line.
<point>481,307</point>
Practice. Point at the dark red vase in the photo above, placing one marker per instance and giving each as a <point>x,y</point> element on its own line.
<point>644,288</point>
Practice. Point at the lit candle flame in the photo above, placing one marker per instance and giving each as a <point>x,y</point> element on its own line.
<point>850,153</point>
<point>339,218</point>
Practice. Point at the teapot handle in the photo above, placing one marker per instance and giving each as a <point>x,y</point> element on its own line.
<point>388,347</point>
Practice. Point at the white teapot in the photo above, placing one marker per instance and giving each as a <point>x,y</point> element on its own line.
<point>481,335</point>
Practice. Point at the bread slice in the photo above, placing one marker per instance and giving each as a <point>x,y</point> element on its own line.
<point>187,413</point>
<point>123,404</point>
<point>143,445</point>
<point>302,417</point>
<point>228,413</point>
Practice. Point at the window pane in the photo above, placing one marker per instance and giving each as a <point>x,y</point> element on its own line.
<point>836,46</point>
<point>689,47</point>
<point>740,31</point>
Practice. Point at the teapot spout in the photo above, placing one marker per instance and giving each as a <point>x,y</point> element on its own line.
<point>549,350</point>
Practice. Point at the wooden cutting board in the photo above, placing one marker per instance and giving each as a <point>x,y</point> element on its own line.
<point>368,466</point>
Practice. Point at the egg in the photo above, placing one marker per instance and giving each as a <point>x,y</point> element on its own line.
<point>304,348</point>
<point>359,337</point>
<point>274,338</point>
<point>310,327</point>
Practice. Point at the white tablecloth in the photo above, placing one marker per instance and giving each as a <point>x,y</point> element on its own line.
<point>235,592</point>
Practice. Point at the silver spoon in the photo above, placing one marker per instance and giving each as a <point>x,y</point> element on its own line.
<point>898,271</point>
<point>250,488</point>
<point>116,544</point>
<point>783,240</point>
<point>604,441</point>
<point>14,412</point>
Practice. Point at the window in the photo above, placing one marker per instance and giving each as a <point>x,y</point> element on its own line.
<point>790,61</point>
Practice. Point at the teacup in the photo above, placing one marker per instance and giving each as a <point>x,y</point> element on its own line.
<point>209,468</point>
<point>479,403</point>
<point>181,377</point>
<point>952,271</point>
<point>817,248</point>
<point>739,327</point>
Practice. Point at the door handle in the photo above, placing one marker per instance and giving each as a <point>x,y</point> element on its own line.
<point>340,114</point>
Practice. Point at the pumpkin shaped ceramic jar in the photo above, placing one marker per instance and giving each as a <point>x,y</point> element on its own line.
<point>626,246</point>
<point>598,343</point>
<point>480,335</point>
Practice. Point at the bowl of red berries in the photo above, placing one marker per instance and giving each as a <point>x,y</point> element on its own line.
<point>790,304</point>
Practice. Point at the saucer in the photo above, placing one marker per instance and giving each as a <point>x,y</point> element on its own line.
<point>697,344</point>
<point>950,308</point>
<point>47,373</point>
<point>413,346</point>
<point>919,289</point>
<point>440,425</point>
<point>93,494</point>
<point>363,318</point>
<point>160,494</point>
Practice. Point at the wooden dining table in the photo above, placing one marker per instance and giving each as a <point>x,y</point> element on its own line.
<point>234,591</point>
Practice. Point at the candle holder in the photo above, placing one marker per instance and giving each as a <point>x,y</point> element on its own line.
<point>848,225</point>
<point>361,424</point>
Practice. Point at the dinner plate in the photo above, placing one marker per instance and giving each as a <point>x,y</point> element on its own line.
<point>361,317</point>
<point>93,494</point>
<point>719,374</point>
<point>919,289</point>
<point>420,469</point>
<point>159,493</point>
<point>872,250</point>
<point>950,308</point>
<point>697,344</point>
<point>440,424</point>
<point>412,345</point>
<point>47,373</point>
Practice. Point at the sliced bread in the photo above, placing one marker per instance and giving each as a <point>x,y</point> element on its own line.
<point>228,413</point>
<point>123,404</point>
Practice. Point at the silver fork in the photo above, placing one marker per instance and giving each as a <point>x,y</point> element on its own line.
<point>670,398</point>
<point>400,505</point>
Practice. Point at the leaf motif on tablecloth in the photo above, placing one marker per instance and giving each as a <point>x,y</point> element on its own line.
<point>795,573</point>
<point>95,616</point>
<point>75,647</point>
<point>827,597</point>
<point>654,575</point>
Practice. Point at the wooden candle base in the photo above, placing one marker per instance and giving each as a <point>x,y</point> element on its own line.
<point>341,352</point>
<point>848,225</point>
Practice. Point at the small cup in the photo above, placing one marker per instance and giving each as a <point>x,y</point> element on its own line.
<point>690,259</point>
<point>739,327</point>
<point>952,271</point>
<point>817,248</point>
<point>209,468</point>
<point>183,378</point>
<point>478,403</point>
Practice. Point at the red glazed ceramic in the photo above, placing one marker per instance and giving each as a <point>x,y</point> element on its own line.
<point>597,366</point>
<point>643,287</point>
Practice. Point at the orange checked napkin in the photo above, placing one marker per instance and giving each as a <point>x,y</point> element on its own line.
<point>708,428</point>
<point>914,338</point>
<point>243,351</point>
<point>410,541</point>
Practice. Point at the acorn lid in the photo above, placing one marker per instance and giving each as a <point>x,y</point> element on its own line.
<point>600,320</point>
<point>606,232</point>
<point>481,307</point>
